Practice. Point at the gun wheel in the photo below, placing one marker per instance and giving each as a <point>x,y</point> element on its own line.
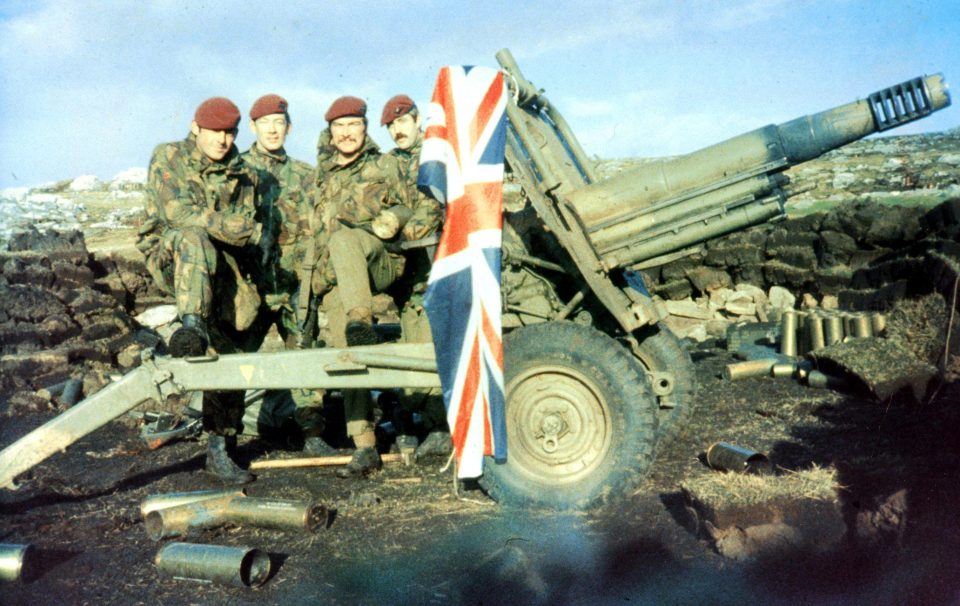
<point>581,421</point>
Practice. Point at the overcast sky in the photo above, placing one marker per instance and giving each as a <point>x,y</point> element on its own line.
<point>92,87</point>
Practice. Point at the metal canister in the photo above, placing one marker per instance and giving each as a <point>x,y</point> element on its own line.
<point>730,457</point>
<point>832,329</point>
<point>824,381</point>
<point>786,369</point>
<point>861,325</point>
<point>172,499</point>
<point>878,323</point>
<point>815,336</point>
<point>750,368</point>
<point>179,520</point>
<point>16,561</point>
<point>277,513</point>
<point>788,333</point>
<point>238,566</point>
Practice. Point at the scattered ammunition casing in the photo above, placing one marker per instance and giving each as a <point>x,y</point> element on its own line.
<point>814,325</point>
<point>238,566</point>
<point>16,562</point>
<point>750,368</point>
<point>408,448</point>
<point>803,337</point>
<point>784,370</point>
<point>172,499</point>
<point>72,392</point>
<point>788,333</point>
<point>878,323</point>
<point>178,521</point>
<point>815,378</point>
<point>277,513</point>
<point>861,325</point>
<point>832,329</point>
<point>729,457</point>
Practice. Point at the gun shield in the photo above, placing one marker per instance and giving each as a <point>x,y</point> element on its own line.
<point>238,566</point>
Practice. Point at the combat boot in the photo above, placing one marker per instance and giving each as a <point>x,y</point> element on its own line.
<point>219,462</point>
<point>315,446</point>
<point>363,462</point>
<point>359,330</point>
<point>435,444</point>
<point>191,339</point>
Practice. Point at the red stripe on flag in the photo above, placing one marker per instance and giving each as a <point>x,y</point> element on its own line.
<point>478,209</point>
<point>492,335</point>
<point>443,96</point>
<point>468,398</point>
<point>486,109</point>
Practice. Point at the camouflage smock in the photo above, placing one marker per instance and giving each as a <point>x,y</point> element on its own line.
<point>286,203</point>
<point>427,213</point>
<point>187,189</point>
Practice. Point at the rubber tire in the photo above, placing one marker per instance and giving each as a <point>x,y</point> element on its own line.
<point>582,360</point>
<point>660,350</point>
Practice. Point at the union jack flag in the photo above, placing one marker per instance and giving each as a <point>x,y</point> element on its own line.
<point>461,165</point>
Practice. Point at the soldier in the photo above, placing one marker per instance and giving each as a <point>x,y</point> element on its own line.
<point>363,205</point>
<point>402,119</point>
<point>201,240</point>
<point>286,194</point>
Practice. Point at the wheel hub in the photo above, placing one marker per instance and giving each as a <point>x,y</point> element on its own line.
<point>559,422</point>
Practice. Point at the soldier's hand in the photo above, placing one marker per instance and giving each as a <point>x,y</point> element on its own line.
<point>386,225</point>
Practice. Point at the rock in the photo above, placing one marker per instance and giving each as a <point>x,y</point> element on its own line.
<point>84,183</point>
<point>843,180</point>
<point>809,301</point>
<point>829,302</point>
<point>741,304</point>
<point>781,298</point>
<point>687,328</point>
<point>157,316</point>
<point>707,279</point>
<point>689,309</point>
<point>129,179</point>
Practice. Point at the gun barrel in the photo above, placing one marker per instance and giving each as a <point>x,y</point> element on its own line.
<point>618,213</point>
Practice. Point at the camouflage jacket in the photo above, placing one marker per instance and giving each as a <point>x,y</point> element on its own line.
<point>427,213</point>
<point>355,194</point>
<point>286,192</point>
<point>187,189</point>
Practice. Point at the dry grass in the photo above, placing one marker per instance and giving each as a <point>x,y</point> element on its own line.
<point>737,489</point>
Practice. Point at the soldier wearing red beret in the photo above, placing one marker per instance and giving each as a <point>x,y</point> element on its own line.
<point>201,239</point>
<point>362,205</point>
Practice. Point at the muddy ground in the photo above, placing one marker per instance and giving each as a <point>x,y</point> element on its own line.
<point>404,536</point>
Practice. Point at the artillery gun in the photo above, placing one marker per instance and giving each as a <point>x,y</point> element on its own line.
<point>593,380</point>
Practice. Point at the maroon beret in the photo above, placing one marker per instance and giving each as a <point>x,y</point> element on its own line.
<point>217,113</point>
<point>396,107</point>
<point>346,106</point>
<point>266,105</point>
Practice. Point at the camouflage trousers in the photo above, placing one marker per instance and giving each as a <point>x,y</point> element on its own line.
<point>361,266</point>
<point>428,403</point>
<point>206,279</point>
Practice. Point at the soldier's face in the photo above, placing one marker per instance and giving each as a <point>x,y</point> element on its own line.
<point>215,144</point>
<point>347,134</point>
<point>271,131</point>
<point>405,130</point>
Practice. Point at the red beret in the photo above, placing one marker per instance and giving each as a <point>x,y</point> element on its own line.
<point>266,105</point>
<point>396,107</point>
<point>346,106</point>
<point>217,113</point>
